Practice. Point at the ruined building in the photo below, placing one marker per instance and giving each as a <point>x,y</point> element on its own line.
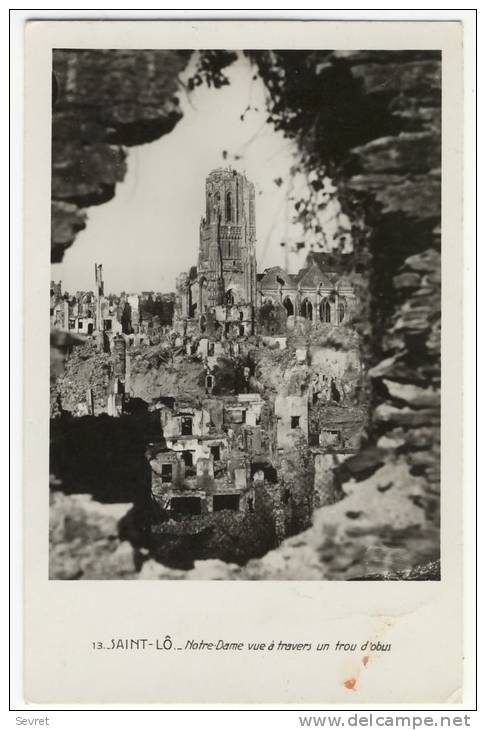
<point>242,443</point>
<point>226,268</point>
<point>224,286</point>
<point>245,404</point>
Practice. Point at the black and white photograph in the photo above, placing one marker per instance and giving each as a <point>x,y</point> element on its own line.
<point>246,451</point>
<point>245,315</point>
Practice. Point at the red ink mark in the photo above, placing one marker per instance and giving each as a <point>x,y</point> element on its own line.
<point>365,660</point>
<point>350,683</point>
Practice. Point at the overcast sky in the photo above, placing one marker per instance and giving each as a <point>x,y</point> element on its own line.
<point>149,232</point>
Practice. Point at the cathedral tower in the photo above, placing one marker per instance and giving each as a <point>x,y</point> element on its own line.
<point>227,264</point>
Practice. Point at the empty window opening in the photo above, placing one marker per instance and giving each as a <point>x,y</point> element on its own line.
<point>186,505</point>
<point>306,309</point>
<point>288,306</point>
<point>269,471</point>
<point>166,473</point>
<point>335,394</point>
<point>209,381</point>
<point>342,310</point>
<point>325,311</point>
<point>226,501</point>
<point>211,348</point>
<point>90,329</point>
<point>229,208</point>
<point>186,426</point>
<point>107,324</point>
<point>187,458</point>
<point>241,330</point>
<point>241,315</point>
<point>216,452</point>
<point>294,421</point>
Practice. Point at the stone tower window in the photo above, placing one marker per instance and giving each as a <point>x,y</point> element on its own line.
<point>229,208</point>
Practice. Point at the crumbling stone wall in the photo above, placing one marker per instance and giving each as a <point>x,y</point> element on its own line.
<point>103,102</point>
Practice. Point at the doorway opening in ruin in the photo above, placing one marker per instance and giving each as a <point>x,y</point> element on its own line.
<point>226,501</point>
<point>325,311</point>
<point>216,452</point>
<point>306,309</point>
<point>294,422</point>
<point>186,426</point>
<point>229,297</point>
<point>287,302</point>
<point>90,329</point>
<point>186,505</point>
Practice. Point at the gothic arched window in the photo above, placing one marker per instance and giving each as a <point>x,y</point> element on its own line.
<point>287,302</point>
<point>325,311</point>
<point>306,309</point>
<point>229,208</point>
<point>342,309</point>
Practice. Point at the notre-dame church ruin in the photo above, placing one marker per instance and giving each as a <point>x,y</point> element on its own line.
<point>225,288</point>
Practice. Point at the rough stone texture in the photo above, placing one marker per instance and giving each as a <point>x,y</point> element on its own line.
<point>84,368</point>
<point>104,101</point>
<point>85,542</point>
<point>397,178</point>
